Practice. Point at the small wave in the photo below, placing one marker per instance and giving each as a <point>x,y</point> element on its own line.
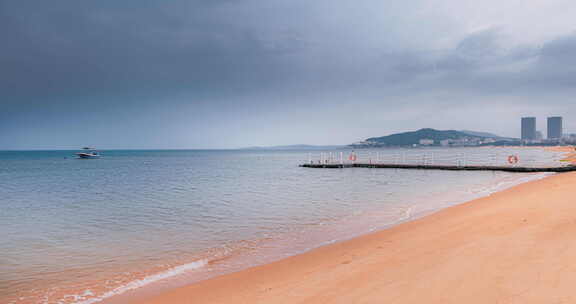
<point>144,281</point>
<point>407,214</point>
<point>511,183</point>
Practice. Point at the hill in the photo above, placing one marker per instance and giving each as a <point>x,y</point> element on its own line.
<point>448,137</point>
<point>481,134</point>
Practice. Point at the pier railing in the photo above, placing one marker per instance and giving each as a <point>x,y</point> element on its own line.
<point>432,158</point>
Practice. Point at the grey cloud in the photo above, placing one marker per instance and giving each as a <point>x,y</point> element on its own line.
<point>103,47</point>
<point>256,58</point>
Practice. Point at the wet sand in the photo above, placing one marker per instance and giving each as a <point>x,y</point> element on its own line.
<point>515,246</point>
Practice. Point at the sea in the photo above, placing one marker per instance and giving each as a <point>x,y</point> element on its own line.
<point>135,223</point>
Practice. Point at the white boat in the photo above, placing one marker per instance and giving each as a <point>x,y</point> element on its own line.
<point>88,153</point>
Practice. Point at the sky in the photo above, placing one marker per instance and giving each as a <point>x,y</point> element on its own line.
<point>235,73</point>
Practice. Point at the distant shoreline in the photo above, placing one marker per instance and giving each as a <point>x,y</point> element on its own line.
<point>293,148</point>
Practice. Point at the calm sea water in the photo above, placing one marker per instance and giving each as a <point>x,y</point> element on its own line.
<point>79,231</point>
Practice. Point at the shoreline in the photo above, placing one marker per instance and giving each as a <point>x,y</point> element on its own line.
<point>173,279</point>
<point>375,267</point>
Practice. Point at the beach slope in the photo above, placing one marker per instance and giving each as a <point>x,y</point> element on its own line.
<point>515,246</point>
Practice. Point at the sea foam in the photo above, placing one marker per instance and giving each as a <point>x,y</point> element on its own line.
<point>146,280</point>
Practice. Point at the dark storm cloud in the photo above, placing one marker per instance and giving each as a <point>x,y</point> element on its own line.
<point>166,63</point>
<point>102,47</point>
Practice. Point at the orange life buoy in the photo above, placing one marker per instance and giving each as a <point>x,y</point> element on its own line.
<point>513,159</point>
<point>352,157</point>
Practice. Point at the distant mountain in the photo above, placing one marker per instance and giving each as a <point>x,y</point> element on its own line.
<point>294,147</point>
<point>448,137</point>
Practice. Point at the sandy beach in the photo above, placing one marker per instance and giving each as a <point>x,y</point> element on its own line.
<point>515,246</point>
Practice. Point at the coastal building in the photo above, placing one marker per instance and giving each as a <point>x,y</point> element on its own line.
<point>426,142</point>
<point>554,127</point>
<point>528,128</point>
<point>539,135</point>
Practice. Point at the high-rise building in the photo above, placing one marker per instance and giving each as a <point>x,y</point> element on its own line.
<point>528,128</point>
<point>554,127</point>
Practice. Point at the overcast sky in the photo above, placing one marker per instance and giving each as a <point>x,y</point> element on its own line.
<point>235,73</point>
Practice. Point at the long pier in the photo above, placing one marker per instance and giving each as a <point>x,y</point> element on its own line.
<point>516,169</point>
